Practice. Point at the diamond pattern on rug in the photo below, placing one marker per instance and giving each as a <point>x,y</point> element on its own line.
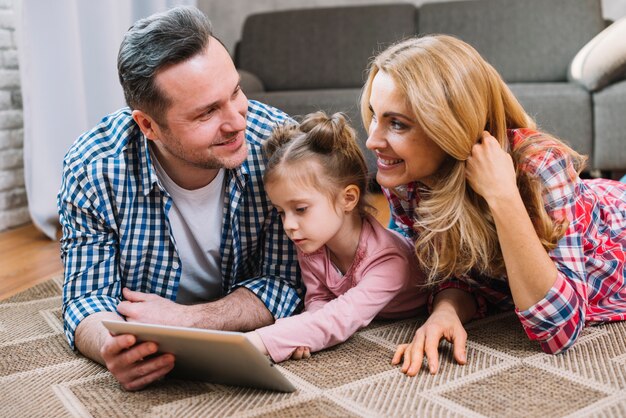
<point>616,409</point>
<point>318,407</point>
<point>105,398</point>
<point>31,394</point>
<point>397,394</point>
<point>43,290</point>
<point>34,354</point>
<point>353,360</point>
<point>24,321</point>
<point>394,333</point>
<point>226,401</point>
<point>601,359</point>
<point>506,375</point>
<point>504,333</point>
<point>507,393</point>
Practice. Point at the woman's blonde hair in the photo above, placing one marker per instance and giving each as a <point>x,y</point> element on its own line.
<point>455,96</point>
<point>330,142</point>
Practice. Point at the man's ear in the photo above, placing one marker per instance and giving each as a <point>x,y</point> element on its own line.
<point>351,195</point>
<point>148,126</point>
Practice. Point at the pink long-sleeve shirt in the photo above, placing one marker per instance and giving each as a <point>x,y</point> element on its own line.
<point>384,280</point>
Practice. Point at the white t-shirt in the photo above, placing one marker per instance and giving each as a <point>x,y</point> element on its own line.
<point>196,218</point>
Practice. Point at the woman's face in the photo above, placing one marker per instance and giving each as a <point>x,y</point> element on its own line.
<point>404,151</point>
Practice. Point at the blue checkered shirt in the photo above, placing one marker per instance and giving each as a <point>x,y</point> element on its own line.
<point>114,216</point>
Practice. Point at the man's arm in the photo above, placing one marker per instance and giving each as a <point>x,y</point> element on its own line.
<point>88,250</point>
<point>240,310</point>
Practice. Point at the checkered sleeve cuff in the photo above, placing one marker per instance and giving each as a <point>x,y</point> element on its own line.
<point>481,303</point>
<point>77,310</point>
<point>280,298</point>
<point>556,320</point>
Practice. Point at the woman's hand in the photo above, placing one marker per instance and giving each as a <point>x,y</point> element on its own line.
<point>490,170</point>
<point>443,323</point>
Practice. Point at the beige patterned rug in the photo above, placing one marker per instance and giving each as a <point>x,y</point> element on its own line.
<point>506,376</point>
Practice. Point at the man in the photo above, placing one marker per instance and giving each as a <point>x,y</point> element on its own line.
<point>162,204</point>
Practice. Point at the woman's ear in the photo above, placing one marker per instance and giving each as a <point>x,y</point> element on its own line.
<point>351,195</point>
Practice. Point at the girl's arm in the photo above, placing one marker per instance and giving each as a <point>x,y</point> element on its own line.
<point>387,275</point>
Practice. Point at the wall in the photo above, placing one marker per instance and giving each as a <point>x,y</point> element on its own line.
<point>13,204</point>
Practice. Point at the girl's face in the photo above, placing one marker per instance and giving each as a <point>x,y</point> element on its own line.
<point>404,152</point>
<point>310,219</point>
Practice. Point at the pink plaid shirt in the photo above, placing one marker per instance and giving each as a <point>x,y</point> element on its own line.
<point>590,258</point>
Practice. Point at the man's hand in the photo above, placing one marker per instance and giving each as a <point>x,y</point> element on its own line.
<point>153,309</point>
<point>240,310</point>
<point>131,364</point>
<point>127,361</point>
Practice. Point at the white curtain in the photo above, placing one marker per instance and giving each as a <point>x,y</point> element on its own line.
<point>68,66</point>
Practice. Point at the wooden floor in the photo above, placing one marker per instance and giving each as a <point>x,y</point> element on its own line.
<point>28,257</point>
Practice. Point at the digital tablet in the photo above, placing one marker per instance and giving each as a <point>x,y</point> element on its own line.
<point>213,356</point>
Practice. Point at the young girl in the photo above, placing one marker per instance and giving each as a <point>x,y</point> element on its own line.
<point>498,213</point>
<point>353,268</point>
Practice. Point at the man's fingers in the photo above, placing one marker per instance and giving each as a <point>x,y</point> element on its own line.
<point>152,371</point>
<point>133,296</point>
<point>116,344</point>
<point>126,359</point>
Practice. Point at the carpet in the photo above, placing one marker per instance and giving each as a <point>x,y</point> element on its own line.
<point>506,375</point>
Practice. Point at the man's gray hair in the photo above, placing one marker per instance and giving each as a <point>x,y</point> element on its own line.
<point>153,43</point>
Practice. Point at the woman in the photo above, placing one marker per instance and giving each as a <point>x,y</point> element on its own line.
<point>497,211</point>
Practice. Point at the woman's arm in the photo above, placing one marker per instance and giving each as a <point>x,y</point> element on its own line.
<point>530,270</point>
<point>549,290</point>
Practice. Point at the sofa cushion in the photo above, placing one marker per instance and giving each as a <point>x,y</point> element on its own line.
<point>602,60</point>
<point>525,40</point>
<point>320,48</point>
<point>610,128</point>
<point>562,109</point>
<point>249,82</point>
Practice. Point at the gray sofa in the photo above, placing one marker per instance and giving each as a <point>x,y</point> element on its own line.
<point>309,59</point>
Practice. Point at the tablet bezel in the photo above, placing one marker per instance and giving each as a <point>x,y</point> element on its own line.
<point>222,357</point>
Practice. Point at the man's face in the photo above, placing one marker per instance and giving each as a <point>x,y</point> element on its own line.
<point>206,119</point>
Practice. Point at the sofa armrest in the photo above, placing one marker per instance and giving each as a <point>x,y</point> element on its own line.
<point>250,83</point>
<point>602,61</point>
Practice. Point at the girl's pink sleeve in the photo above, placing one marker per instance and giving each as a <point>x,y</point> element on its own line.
<point>387,274</point>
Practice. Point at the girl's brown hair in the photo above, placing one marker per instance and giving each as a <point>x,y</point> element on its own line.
<point>321,151</point>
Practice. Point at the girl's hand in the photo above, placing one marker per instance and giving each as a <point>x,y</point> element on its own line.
<point>444,323</point>
<point>301,353</point>
<point>490,170</point>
